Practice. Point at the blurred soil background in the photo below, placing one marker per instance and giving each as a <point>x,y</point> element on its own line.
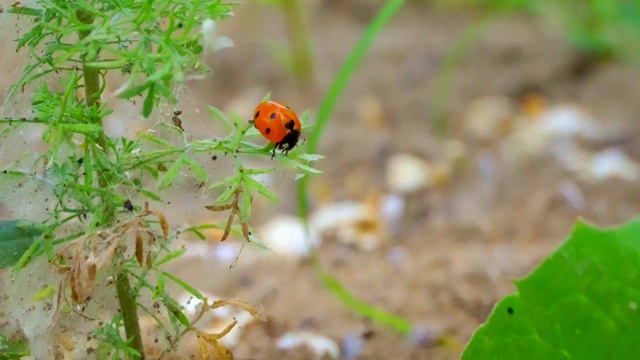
<point>540,135</point>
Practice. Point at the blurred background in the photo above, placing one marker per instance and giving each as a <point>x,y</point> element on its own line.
<point>462,151</point>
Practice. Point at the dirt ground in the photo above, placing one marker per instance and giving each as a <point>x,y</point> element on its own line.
<point>462,243</point>
<point>457,267</point>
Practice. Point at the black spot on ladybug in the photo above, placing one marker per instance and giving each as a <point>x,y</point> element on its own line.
<point>273,115</point>
<point>268,131</point>
<point>510,310</point>
<point>290,124</point>
<point>257,114</point>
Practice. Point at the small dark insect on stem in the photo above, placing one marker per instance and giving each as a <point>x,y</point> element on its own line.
<point>128,205</point>
<point>176,120</point>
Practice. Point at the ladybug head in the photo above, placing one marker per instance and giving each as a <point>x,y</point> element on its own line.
<point>289,141</point>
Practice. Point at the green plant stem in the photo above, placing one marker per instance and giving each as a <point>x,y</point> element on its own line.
<point>302,54</point>
<point>91,76</point>
<point>129,312</point>
<point>91,84</point>
<point>444,80</point>
<point>24,120</point>
<point>402,325</point>
<point>348,68</point>
<point>339,84</point>
<point>92,89</point>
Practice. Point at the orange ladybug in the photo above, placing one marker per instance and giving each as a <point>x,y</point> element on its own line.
<point>279,124</point>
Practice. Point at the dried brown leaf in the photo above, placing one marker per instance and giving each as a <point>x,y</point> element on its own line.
<point>223,352</point>
<point>108,254</point>
<point>204,349</point>
<point>240,303</point>
<point>91,277</point>
<point>65,341</point>
<point>164,225</point>
<point>139,248</point>
<point>216,208</point>
<point>227,228</point>
<point>245,230</point>
<point>62,268</point>
<point>214,337</point>
<point>74,285</point>
<point>61,293</point>
<point>57,351</point>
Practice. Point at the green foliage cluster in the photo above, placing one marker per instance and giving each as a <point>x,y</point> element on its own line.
<point>155,43</point>
<point>97,181</point>
<point>603,28</point>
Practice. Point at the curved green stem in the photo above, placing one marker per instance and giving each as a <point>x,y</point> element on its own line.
<point>339,84</point>
<point>326,108</point>
<point>444,80</point>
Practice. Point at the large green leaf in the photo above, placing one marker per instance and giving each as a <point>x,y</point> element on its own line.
<point>16,236</point>
<point>580,303</point>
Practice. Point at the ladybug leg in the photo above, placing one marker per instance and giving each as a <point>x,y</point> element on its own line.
<point>273,153</point>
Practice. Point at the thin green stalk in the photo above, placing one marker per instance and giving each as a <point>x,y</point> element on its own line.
<point>92,89</point>
<point>326,108</point>
<point>23,120</point>
<point>129,312</point>
<point>91,84</point>
<point>400,324</point>
<point>91,76</point>
<point>342,78</point>
<point>301,54</point>
<point>444,81</point>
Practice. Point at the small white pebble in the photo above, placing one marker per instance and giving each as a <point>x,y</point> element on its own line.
<point>319,344</point>
<point>392,209</point>
<point>407,173</point>
<point>614,163</point>
<point>352,345</point>
<point>286,235</point>
<point>573,194</point>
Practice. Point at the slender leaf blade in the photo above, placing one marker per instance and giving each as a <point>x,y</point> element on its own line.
<point>172,173</point>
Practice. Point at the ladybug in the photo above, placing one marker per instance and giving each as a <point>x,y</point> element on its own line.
<point>279,124</point>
